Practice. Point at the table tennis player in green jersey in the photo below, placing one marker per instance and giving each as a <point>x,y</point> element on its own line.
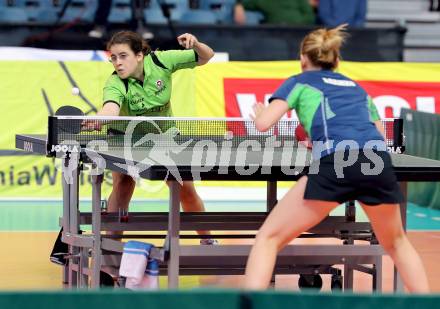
<point>141,86</point>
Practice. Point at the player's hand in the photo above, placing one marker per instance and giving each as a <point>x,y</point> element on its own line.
<point>258,109</point>
<point>91,125</point>
<point>187,40</point>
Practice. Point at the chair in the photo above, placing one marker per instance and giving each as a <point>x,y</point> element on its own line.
<point>155,15</point>
<point>121,3</point>
<point>121,11</point>
<point>254,17</point>
<point>42,11</point>
<point>31,3</point>
<point>31,7</point>
<point>13,15</point>
<point>48,15</point>
<point>222,8</point>
<point>16,3</point>
<point>82,9</point>
<point>198,17</point>
<point>216,4</point>
<point>172,4</point>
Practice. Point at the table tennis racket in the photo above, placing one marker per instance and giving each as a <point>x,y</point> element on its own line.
<point>69,125</point>
<point>302,137</point>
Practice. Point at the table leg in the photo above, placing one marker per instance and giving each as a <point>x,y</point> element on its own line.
<point>271,197</point>
<point>377,275</point>
<point>74,228</point>
<point>348,265</point>
<point>66,221</point>
<point>173,235</point>
<point>96,230</point>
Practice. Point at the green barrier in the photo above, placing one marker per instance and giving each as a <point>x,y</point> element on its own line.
<point>112,299</point>
<point>422,132</point>
<point>282,300</point>
<point>211,299</point>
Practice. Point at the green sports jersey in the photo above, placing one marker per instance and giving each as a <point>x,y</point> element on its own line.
<point>152,97</point>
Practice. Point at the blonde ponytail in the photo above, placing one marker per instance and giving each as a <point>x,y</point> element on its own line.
<point>322,46</point>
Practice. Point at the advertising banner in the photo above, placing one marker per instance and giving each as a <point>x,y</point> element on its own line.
<point>32,90</point>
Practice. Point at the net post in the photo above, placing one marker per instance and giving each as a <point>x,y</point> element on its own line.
<point>51,132</point>
<point>398,132</point>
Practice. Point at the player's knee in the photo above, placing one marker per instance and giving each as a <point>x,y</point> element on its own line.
<point>188,194</point>
<point>268,237</point>
<point>189,197</point>
<point>123,183</point>
<point>392,244</point>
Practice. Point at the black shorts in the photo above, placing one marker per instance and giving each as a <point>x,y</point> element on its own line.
<point>363,180</point>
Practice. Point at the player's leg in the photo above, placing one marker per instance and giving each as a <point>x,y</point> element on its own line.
<point>119,199</point>
<point>290,217</point>
<point>387,225</point>
<point>123,188</point>
<point>191,201</point>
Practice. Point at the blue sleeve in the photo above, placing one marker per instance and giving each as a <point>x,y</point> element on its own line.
<point>284,90</point>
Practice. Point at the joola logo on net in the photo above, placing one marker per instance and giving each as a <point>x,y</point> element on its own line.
<point>64,148</point>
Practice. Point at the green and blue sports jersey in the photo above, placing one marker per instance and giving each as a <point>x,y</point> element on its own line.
<point>333,109</point>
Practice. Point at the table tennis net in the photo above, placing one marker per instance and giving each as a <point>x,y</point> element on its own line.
<point>146,131</point>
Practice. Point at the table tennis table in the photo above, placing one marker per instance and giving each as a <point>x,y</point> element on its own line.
<point>204,149</point>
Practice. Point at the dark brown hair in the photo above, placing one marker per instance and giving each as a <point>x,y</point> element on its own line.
<point>322,46</point>
<point>132,39</point>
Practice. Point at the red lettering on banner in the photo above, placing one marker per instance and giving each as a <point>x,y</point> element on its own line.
<point>242,93</point>
<point>389,97</point>
<point>240,97</point>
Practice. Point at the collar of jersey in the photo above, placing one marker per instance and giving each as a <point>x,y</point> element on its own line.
<point>147,72</point>
<point>147,67</point>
